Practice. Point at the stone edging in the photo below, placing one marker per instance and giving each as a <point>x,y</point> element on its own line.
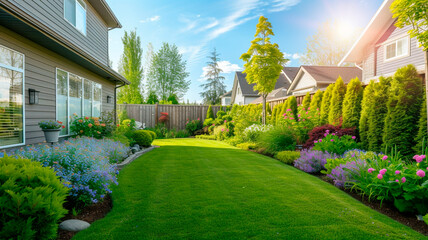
<point>134,156</point>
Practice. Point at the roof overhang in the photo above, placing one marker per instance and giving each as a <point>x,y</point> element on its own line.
<point>20,22</point>
<point>106,13</point>
<point>374,30</point>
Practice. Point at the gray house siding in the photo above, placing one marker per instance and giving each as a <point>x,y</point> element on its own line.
<point>416,55</point>
<point>368,65</point>
<point>40,74</point>
<point>51,14</point>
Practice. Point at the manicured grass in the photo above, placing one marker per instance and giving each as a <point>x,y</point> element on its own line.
<point>202,189</point>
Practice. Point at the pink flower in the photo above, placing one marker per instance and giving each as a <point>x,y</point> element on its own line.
<point>222,130</point>
<point>298,115</point>
<point>420,173</point>
<point>199,119</point>
<point>353,137</point>
<point>403,180</point>
<point>227,130</point>
<point>370,170</point>
<point>333,134</point>
<point>383,171</point>
<point>285,114</point>
<point>315,141</point>
<point>320,140</point>
<point>380,176</point>
<point>306,112</point>
<point>288,110</point>
<point>225,120</point>
<point>308,109</point>
<point>419,158</point>
<point>332,140</point>
<point>325,134</point>
<point>292,118</point>
<point>327,131</point>
<point>384,158</point>
<point>397,180</point>
<point>397,172</point>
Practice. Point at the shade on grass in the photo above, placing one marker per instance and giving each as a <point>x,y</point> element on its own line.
<point>202,189</point>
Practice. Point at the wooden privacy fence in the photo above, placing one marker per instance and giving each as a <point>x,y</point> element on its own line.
<point>178,114</point>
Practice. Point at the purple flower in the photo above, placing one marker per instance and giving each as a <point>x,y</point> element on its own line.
<point>353,137</point>
<point>332,140</point>
<point>403,180</point>
<point>382,171</point>
<point>384,158</point>
<point>397,172</point>
<point>419,158</point>
<point>319,140</point>
<point>397,180</point>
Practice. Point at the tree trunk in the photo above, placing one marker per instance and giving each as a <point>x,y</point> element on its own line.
<point>264,110</point>
<point>426,80</point>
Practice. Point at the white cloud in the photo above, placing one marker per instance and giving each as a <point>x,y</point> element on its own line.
<point>225,66</point>
<point>292,55</point>
<point>151,19</point>
<point>282,5</point>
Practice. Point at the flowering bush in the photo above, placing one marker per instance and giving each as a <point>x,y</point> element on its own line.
<point>342,174</point>
<point>302,123</point>
<point>89,127</point>
<point>252,133</point>
<point>193,126</point>
<point>334,144</point>
<point>85,165</point>
<point>312,161</point>
<point>50,125</point>
<point>318,133</point>
<point>164,117</point>
<point>348,156</point>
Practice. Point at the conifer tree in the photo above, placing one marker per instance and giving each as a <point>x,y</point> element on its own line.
<point>352,104</point>
<point>422,132</point>
<point>292,104</point>
<point>306,103</point>
<point>210,113</point>
<point>325,104</point>
<point>337,96</point>
<point>366,109</point>
<point>377,114</point>
<point>316,101</point>
<point>405,99</point>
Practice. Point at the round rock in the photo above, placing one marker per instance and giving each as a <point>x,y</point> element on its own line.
<point>74,225</point>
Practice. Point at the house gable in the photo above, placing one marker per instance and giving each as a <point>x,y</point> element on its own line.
<point>302,81</point>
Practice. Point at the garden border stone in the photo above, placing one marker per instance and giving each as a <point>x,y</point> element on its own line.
<point>134,156</point>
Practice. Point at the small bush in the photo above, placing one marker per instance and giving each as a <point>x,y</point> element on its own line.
<point>193,126</point>
<point>247,146</point>
<point>152,134</point>
<point>143,138</point>
<point>210,113</point>
<point>318,133</point>
<point>208,122</point>
<point>208,137</point>
<point>253,132</point>
<point>90,127</point>
<point>234,140</point>
<point>31,199</point>
<point>278,138</point>
<point>287,157</point>
<point>334,144</point>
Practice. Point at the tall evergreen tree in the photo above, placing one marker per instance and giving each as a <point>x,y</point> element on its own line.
<point>352,104</point>
<point>131,68</point>
<point>405,99</point>
<point>168,72</point>
<point>377,114</point>
<point>325,104</point>
<point>292,104</point>
<point>263,61</point>
<point>316,101</point>
<point>306,103</point>
<point>337,96</point>
<point>152,98</point>
<point>366,109</point>
<point>210,113</point>
<point>422,136</point>
<point>214,87</point>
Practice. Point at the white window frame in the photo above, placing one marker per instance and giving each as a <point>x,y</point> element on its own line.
<point>80,2</point>
<point>386,44</point>
<point>83,97</point>
<point>23,97</point>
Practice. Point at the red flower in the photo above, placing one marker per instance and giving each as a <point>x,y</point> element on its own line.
<point>59,122</point>
<point>63,126</point>
<point>87,118</point>
<point>90,125</point>
<point>118,125</point>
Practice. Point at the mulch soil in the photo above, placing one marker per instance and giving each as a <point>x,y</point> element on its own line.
<point>89,214</point>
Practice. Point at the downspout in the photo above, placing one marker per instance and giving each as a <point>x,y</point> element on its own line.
<point>115,101</point>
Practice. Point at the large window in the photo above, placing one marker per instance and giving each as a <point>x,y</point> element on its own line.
<point>76,96</point>
<point>75,13</point>
<point>11,97</point>
<point>397,48</point>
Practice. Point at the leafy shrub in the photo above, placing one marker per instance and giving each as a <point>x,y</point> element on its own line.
<point>422,136</point>
<point>164,117</point>
<point>89,127</point>
<point>316,101</point>
<point>306,120</point>
<point>352,104</point>
<point>193,126</point>
<point>31,199</point>
<point>235,140</point>
<point>143,138</point>
<point>120,138</point>
<point>349,156</point>
<point>312,161</point>
<point>325,104</point>
<point>210,113</point>
<point>220,114</point>
<point>152,134</point>
<point>220,132</point>
<point>253,132</point>
<point>318,133</point>
<point>84,164</point>
<point>247,146</point>
<point>208,137</point>
<point>278,138</point>
<point>334,144</point>
<point>337,96</point>
<point>208,122</point>
<point>127,129</point>
<point>287,157</point>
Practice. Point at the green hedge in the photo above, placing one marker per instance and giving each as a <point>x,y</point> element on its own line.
<point>287,157</point>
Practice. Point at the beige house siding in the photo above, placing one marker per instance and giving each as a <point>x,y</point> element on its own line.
<point>368,65</point>
<point>51,14</point>
<point>40,74</point>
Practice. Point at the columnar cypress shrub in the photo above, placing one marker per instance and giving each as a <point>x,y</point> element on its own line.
<point>306,103</point>
<point>422,133</point>
<point>316,101</point>
<point>337,96</point>
<point>292,104</point>
<point>274,114</point>
<point>210,113</point>
<point>405,99</point>
<point>376,118</point>
<point>325,104</point>
<point>352,104</point>
<point>366,109</point>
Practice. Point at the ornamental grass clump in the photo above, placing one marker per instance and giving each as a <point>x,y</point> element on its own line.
<point>85,166</point>
<point>312,161</point>
<point>252,133</point>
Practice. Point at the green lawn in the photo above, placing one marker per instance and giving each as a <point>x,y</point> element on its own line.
<point>202,189</point>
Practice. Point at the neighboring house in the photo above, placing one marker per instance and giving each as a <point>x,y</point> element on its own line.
<point>382,48</point>
<point>58,51</point>
<point>312,78</point>
<point>226,98</point>
<point>243,93</point>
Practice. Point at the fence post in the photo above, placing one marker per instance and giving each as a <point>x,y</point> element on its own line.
<point>156,114</point>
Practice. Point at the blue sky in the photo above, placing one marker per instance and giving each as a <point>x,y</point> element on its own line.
<point>197,26</point>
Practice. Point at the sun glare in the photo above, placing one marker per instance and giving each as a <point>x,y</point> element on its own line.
<point>345,30</point>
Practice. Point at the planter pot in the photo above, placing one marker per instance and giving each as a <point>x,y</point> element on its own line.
<point>51,135</point>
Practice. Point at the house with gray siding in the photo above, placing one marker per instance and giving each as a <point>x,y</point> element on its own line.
<point>383,48</point>
<point>57,49</point>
